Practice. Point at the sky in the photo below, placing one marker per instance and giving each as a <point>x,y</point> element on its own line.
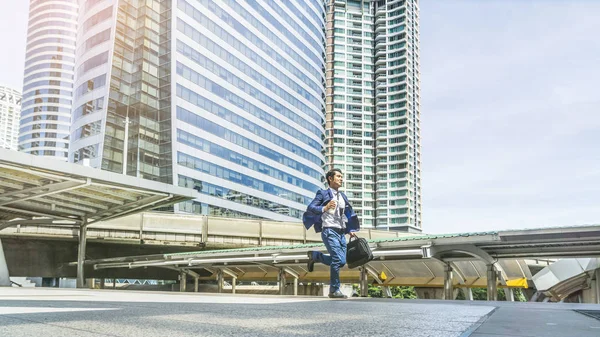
<point>510,110</point>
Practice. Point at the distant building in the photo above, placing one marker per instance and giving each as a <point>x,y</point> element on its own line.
<point>10,110</point>
<point>373,108</point>
<point>48,78</point>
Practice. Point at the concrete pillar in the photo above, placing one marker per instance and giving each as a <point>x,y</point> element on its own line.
<point>295,286</point>
<point>182,282</point>
<point>468,294</point>
<point>4,276</point>
<point>387,291</point>
<point>195,284</point>
<point>492,283</point>
<point>114,283</point>
<point>219,281</point>
<point>597,287</point>
<point>81,254</point>
<point>282,281</point>
<point>510,294</point>
<point>364,286</point>
<point>448,286</point>
<point>102,283</point>
<point>233,283</point>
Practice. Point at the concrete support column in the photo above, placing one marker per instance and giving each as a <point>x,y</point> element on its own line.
<point>114,283</point>
<point>233,283</point>
<point>448,286</point>
<point>510,294</point>
<point>492,283</point>
<point>196,284</point>
<point>4,277</point>
<point>102,283</point>
<point>282,281</point>
<point>597,288</point>
<point>219,281</point>
<point>182,282</point>
<point>469,294</point>
<point>295,286</point>
<point>364,286</point>
<point>81,254</point>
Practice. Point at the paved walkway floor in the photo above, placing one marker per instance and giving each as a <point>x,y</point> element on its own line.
<point>69,312</point>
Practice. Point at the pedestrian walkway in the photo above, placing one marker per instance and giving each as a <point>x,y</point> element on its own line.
<point>69,312</point>
<point>547,320</point>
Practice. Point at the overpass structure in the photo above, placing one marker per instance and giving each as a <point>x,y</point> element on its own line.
<point>37,191</point>
<point>41,249</point>
<point>186,231</point>
<point>487,259</point>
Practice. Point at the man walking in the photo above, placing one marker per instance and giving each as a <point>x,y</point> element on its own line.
<point>331,214</point>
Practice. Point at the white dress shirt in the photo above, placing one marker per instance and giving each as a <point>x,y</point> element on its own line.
<point>338,219</point>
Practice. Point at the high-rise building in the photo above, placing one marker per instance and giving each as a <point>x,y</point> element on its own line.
<point>10,112</point>
<point>373,109</point>
<point>48,78</point>
<point>223,96</point>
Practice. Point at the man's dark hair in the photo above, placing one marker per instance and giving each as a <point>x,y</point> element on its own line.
<point>331,174</point>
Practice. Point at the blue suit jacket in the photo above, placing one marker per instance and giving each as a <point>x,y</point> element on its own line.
<point>313,213</point>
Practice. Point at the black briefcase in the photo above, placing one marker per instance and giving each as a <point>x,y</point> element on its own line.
<point>358,252</point>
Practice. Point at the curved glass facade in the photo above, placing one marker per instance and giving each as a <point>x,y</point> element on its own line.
<point>249,102</point>
<point>48,78</point>
<point>92,73</point>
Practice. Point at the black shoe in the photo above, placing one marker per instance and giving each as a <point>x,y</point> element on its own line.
<point>337,294</point>
<point>311,262</point>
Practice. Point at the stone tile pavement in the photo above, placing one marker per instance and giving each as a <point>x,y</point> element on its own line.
<point>81,312</point>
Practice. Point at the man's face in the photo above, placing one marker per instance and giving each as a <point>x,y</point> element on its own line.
<point>336,180</point>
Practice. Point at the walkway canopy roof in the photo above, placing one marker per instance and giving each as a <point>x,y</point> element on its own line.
<point>411,260</point>
<point>35,189</point>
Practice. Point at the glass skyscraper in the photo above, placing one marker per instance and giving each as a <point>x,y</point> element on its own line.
<point>226,97</point>
<point>373,108</point>
<point>48,78</point>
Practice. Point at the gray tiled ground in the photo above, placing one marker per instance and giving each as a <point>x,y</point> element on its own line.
<point>524,322</point>
<point>59,312</point>
<point>46,312</point>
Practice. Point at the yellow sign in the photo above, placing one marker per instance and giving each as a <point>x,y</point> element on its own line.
<point>519,282</point>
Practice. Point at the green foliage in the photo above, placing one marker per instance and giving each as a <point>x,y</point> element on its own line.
<point>397,292</point>
<point>480,294</point>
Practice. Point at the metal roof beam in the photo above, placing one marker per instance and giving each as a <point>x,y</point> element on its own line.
<point>108,191</point>
<point>18,211</point>
<point>126,208</point>
<point>373,273</point>
<point>40,191</point>
<point>86,194</point>
<point>47,209</point>
<point>67,205</point>
<point>44,221</point>
<point>19,178</point>
<point>83,202</point>
<point>14,186</point>
<point>229,272</point>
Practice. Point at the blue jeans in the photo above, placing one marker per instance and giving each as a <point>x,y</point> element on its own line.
<point>336,246</point>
